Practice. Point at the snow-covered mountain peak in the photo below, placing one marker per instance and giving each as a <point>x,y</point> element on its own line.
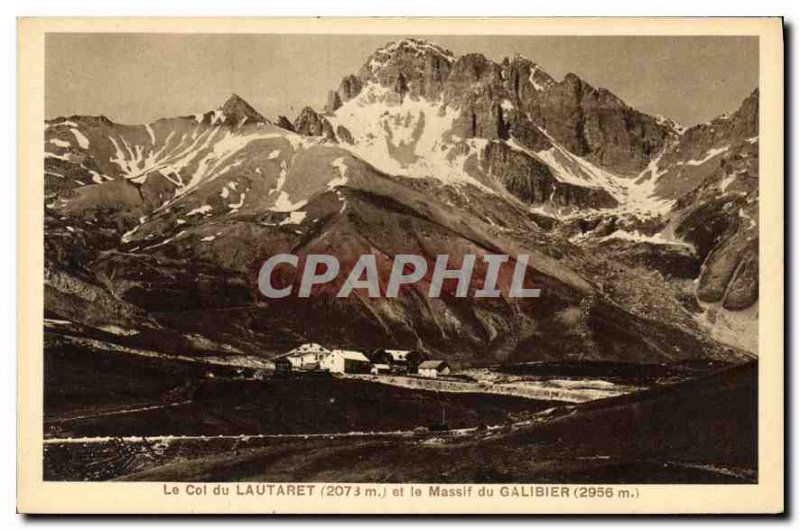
<point>407,47</point>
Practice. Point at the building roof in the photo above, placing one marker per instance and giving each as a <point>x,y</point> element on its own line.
<point>308,347</point>
<point>351,355</point>
<point>398,355</point>
<point>435,365</point>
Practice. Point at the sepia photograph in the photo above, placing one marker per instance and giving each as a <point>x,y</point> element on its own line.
<point>284,260</point>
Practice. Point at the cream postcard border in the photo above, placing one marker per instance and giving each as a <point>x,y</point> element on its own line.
<point>36,496</point>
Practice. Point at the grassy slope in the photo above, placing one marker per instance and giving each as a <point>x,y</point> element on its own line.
<point>82,382</point>
<point>703,431</point>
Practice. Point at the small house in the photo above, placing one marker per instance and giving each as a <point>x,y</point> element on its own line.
<point>307,356</point>
<point>398,356</point>
<point>433,369</point>
<point>282,365</point>
<point>395,359</point>
<point>346,362</point>
<point>380,369</point>
<point>413,359</point>
<point>400,361</point>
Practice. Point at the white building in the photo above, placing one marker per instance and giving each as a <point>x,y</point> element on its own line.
<point>433,369</point>
<point>345,361</point>
<point>306,356</point>
<point>380,369</point>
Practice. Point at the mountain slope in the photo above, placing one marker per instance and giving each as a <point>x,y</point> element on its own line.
<point>420,152</point>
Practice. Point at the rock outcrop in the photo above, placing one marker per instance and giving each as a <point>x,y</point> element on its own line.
<point>235,112</point>
<point>310,123</point>
<point>532,182</point>
<point>596,124</point>
<point>284,123</point>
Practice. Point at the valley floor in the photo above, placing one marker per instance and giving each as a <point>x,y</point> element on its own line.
<point>169,422</point>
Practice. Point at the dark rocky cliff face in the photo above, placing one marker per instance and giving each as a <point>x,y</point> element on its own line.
<point>720,219</point>
<point>524,79</point>
<point>532,182</point>
<point>481,117</point>
<point>719,216</point>
<point>238,111</point>
<point>284,123</point>
<point>594,123</point>
<point>723,131</point>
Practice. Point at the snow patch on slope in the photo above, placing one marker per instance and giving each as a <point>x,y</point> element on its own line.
<point>711,153</point>
<point>572,169</point>
<point>151,133</point>
<point>199,155</point>
<point>342,179</point>
<point>200,210</point>
<point>284,204</point>
<point>636,236</point>
<point>59,143</point>
<point>640,194</point>
<point>409,138</point>
<point>295,218</point>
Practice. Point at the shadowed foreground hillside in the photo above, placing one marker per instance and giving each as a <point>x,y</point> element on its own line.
<point>702,431</point>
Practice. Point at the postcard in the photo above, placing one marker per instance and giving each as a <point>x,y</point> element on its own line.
<point>401,266</point>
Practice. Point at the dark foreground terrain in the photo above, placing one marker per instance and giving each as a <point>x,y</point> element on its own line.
<point>151,398</point>
<point>328,429</point>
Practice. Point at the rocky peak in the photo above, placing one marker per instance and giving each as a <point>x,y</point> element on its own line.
<point>470,72</point>
<point>310,123</point>
<point>235,112</point>
<point>572,79</point>
<point>746,118</point>
<point>724,132</point>
<point>514,97</point>
<point>349,88</point>
<point>421,69</point>
<point>407,50</point>
<point>91,121</point>
<point>237,106</point>
<point>594,123</point>
<point>239,110</point>
<point>523,78</point>
<point>413,66</point>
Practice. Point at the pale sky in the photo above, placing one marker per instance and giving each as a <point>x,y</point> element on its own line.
<point>138,78</point>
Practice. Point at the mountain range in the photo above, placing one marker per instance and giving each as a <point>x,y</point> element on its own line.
<point>643,234</point>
